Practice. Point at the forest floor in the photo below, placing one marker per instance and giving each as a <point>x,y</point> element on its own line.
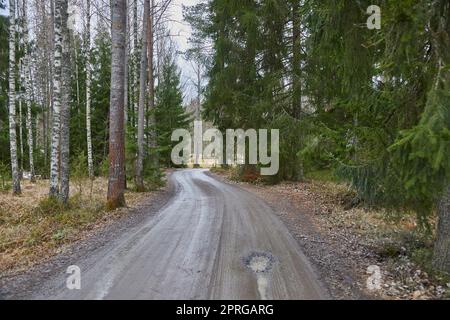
<point>34,228</point>
<point>343,241</point>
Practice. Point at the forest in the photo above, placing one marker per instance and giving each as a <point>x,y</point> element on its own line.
<point>94,88</point>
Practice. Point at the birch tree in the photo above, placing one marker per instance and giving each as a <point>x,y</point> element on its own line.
<point>59,162</point>
<point>21,77</point>
<point>116,182</point>
<point>21,152</point>
<point>28,91</point>
<point>12,99</point>
<point>88,90</point>
<point>56,121</point>
<point>29,123</point>
<point>44,53</point>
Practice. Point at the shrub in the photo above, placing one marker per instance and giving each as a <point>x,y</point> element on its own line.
<point>51,206</point>
<point>79,170</point>
<point>153,176</point>
<point>4,176</point>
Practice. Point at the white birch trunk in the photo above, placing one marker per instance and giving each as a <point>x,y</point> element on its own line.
<point>30,126</point>
<point>28,92</point>
<point>12,99</point>
<point>21,135</point>
<point>56,120</point>
<point>88,92</point>
<point>19,98</point>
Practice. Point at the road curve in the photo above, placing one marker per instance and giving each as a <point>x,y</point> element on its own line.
<point>211,241</point>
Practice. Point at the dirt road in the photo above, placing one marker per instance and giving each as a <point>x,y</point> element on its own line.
<point>212,240</point>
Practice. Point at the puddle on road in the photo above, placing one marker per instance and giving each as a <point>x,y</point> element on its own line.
<point>261,263</point>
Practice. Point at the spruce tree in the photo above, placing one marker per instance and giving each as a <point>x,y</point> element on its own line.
<point>169,112</point>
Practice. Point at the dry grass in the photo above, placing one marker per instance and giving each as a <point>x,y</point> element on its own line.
<point>33,227</point>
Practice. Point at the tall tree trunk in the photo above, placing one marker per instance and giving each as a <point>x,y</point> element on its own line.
<point>30,127</point>
<point>28,92</point>
<point>151,88</point>
<point>127,47</point>
<point>139,179</point>
<point>77,72</point>
<point>199,91</point>
<point>12,98</point>
<point>125,98</point>
<point>441,257</point>
<point>116,181</point>
<point>21,154</point>
<point>88,92</point>
<point>51,84</point>
<point>57,83</point>
<point>65,105</point>
<point>125,95</point>
<point>296,61</point>
<point>21,135</point>
<point>198,144</point>
<point>297,75</point>
<point>441,44</point>
<point>136,59</point>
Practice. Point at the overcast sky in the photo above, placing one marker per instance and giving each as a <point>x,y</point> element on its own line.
<point>182,32</point>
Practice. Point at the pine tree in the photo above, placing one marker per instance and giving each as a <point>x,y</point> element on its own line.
<point>169,111</point>
<point>371,105</point>
<point>116,182</point>
<point>65,106</point>
<point>101,79</point>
